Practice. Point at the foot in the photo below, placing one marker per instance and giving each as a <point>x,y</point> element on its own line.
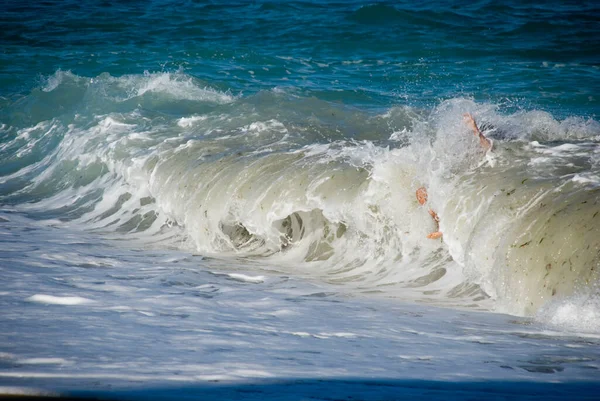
<point>435,235</point>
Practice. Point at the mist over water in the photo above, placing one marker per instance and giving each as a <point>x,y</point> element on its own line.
<point>268,142</point>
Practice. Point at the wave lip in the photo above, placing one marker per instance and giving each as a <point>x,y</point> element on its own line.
<point>176,85</point>
<point>106,89</point>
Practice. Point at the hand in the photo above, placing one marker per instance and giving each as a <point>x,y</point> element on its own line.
<point>422,195</point>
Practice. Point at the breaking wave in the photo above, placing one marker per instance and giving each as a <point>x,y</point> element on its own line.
<point>318,189</point>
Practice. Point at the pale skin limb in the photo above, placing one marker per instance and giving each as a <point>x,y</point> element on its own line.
<point>422,198</point>
<point>434,216</point>
<point>485,143</point>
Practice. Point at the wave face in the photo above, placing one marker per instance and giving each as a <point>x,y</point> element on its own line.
<point>316,188</point>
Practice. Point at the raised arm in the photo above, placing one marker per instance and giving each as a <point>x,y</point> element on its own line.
<point>422,199</point>
<point>486,143</point>
<point>434,216</point>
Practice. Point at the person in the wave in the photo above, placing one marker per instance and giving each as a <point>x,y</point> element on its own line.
<point>421,193</point>
<point>422,199</point>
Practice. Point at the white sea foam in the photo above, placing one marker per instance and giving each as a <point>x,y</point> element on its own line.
<point>579,313</point>
<point>588,178</point>
<point>246,278</point>
<point>259,127</point>
<point>59,300</point>
<point>42,361</point>
<point>186,122</point>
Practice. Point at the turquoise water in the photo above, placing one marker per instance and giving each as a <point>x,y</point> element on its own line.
<point>367,54</point>
<point>224,192</point>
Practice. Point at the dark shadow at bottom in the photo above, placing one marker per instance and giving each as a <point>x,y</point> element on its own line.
<point>336,389</point>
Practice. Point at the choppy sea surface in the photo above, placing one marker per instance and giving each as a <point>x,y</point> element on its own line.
<point>217,199</point>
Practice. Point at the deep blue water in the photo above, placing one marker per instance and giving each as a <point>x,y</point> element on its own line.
<point>534,55</point>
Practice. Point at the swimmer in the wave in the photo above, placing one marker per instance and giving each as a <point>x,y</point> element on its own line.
<point>485,142</point>
<point>422,199</point>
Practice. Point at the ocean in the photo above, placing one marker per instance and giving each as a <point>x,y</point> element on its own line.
<point>217,199</point>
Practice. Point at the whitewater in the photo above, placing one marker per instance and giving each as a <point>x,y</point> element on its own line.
<point>248,226</point>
